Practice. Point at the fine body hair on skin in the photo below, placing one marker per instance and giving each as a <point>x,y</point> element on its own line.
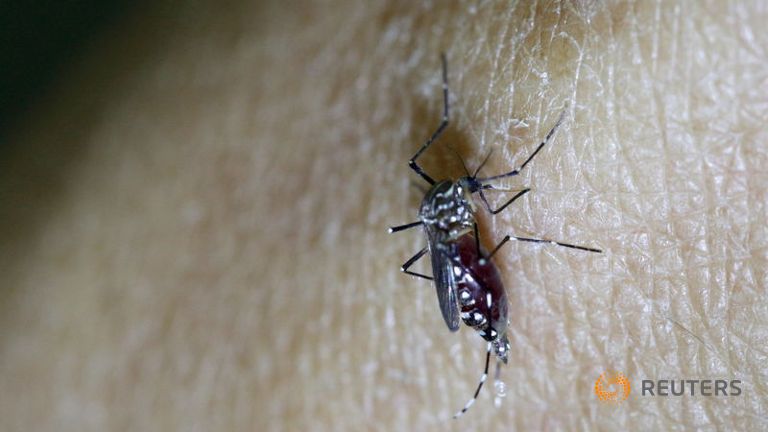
<point>194,219</point>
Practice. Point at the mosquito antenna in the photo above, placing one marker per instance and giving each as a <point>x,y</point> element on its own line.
<point>483,377</point>
<point>482,164</point>
<point>464,165</point>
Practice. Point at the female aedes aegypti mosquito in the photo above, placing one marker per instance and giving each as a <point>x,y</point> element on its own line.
<point>467,283</point>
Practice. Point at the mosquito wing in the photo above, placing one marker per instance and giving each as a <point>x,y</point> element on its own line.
<point>445,283</point>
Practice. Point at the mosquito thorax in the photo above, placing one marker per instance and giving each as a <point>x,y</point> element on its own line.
<point>447,206</point>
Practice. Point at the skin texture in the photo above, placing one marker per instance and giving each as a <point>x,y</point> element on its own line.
<point>194,222</point>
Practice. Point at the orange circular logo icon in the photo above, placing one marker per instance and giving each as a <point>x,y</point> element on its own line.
<point>612,387</point>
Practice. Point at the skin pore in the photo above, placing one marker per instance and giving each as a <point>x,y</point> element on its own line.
<point>194,221</point>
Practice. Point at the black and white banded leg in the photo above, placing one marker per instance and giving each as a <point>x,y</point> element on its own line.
<point>404,268</point>
<point>443,124</point>
<point>399,228</point>
<point>505,205</point>
<point>411,261</point>
<point>483,378</point>
<point>517,170</point>
<point>552,242</point>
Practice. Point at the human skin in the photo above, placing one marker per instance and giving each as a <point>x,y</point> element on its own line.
<point>194,221</point>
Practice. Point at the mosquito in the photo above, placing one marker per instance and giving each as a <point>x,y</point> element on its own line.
<point>468,285</point>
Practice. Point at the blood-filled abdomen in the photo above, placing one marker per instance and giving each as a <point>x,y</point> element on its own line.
<point>480,290</point>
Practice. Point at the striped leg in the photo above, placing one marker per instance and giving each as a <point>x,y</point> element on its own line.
<point>443,124</point>
<point>483,377</point>
<point>552,242</point>
<point>412,260</point>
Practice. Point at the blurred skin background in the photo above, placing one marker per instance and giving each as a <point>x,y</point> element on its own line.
<point>194,199</point>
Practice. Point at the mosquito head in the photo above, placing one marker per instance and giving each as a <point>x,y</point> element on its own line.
<point>470,184</point>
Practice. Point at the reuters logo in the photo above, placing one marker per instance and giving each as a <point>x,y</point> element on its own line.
<point>612,387</point>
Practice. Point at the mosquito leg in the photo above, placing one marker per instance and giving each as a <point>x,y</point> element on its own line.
<point>482,164</point>
<point>505,205</point>
<point>483,377</point>
<point>568,245</point>
<point>443,124</point>
<point>398,228</point>
<point>498,246</point>
<point>412,260</point>
<point>517,170</point>
<point>461,159</point>
<point>477,240</point>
